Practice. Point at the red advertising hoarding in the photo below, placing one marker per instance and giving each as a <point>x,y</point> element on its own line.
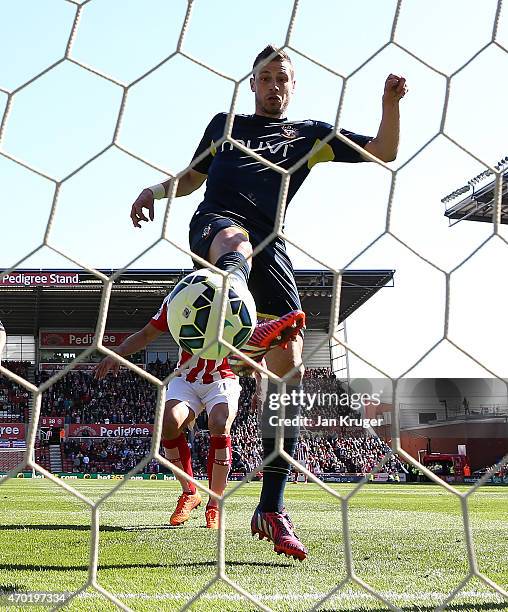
<point>126,430</point>
<point>56,367</point>
<point>40,279</point>
<point>79,339</point>
<point>47,421</point>
<point>12,431</point>
<point>84,367</point>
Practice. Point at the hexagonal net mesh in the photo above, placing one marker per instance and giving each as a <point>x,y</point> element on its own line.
<point>28,460</point>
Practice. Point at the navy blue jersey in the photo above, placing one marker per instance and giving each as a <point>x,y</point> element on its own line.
<point>244,189</point>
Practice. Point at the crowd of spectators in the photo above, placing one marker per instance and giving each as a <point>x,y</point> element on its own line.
<point>160,368</point>
<point>126,398</point>
<point>337,452</point>
<point>80,398</point>
<point>319,454</point>
<point>117,455</point>
<point>345,454</point>
<point>318,373</point>
<point>13,397</point>
<point>130,399</point>
<point>331,400</point>
<point>17,367</point>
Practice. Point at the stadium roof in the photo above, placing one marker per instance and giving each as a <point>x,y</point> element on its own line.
<point>136,295</point>
<point>479,204</point>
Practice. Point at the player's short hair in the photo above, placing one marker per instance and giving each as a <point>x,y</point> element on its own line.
<point>272,52</point>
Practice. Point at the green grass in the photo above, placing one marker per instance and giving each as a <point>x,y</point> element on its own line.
<point>407,542</point>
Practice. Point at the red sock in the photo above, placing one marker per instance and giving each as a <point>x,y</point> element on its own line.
<point>178,452</point>
<point>219,462</point>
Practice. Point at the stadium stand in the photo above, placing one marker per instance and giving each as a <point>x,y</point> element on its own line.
<point>14,410</point>
<point>348,454</point>
<point>14,399</point>
<point>107,456</point>
<point>78,397</point>
<point>128,399</point>
<point>42,455</point>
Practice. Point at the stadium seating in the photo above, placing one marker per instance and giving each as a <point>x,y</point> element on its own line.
<point>14,399</point>
<point>130,399</point>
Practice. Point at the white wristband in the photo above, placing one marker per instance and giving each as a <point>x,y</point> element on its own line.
<point>158,191</point>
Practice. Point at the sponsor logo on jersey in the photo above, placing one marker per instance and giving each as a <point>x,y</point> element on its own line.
<point>274,148</point>
<point>206,231</point>
<point>288,131</point>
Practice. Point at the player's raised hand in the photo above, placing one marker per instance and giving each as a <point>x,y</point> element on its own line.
<point>108,364</point>
<point>395,89</point>
<point>144,200</point>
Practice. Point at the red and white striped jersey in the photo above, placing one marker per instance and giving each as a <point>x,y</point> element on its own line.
<point>302,451</point>
<point>204,371</point>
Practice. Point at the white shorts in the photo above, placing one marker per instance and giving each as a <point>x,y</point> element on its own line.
<point>199,396</point>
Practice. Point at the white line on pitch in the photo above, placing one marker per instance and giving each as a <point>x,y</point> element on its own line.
<point>344,594</point>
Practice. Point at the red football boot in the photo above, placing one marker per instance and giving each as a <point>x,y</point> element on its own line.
<point>185,505</point>
<point>267,335</point>
<point>212,517</point>
<point>278,528</point>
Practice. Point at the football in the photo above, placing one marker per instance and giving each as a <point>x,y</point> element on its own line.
<point>194,311</point>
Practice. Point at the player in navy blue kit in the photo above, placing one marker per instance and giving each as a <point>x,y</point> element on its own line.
<point>239,211</point>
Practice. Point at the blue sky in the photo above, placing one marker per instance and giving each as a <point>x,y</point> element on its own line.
<point>67,116</point>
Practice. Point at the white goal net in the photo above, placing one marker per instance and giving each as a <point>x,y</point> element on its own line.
<point>15,461</point>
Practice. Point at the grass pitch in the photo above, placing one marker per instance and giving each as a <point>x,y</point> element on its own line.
<point>407,542</point>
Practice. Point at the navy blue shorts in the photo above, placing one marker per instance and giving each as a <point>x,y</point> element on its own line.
<point>272,280</point>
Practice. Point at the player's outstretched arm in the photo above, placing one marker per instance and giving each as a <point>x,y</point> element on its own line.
<point>385,144</point>
<point>134,343</point>
<point>189,182</point>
